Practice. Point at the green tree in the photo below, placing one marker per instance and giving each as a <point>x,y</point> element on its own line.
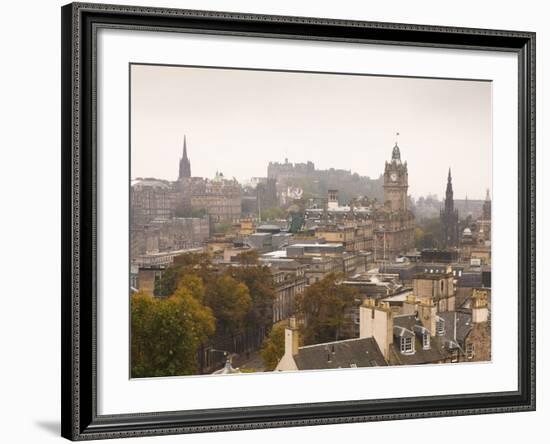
<point>273,347</point>
<point>326,306</point>
<point>259,281</point>
<point>166,333</point>
<point>229,300</point>
<point>190,263</point>
<point>248,257</point>
<point>418,236</point>
<point>273,213</point>
<point>429,234</point>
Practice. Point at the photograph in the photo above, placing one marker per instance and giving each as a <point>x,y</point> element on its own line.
<point>297,221</point>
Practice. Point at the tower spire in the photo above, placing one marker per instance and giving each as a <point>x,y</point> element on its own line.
<point>449,215</point>
<point>396,153</point>
<point>185,164</point>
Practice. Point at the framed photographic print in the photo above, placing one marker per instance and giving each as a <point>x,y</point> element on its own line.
<point>279,221</point>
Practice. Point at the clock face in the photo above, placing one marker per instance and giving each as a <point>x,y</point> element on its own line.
<point>393,177</point>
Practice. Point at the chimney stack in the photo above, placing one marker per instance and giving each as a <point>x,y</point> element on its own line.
<point>480,306</point>
<point>377,322</point>
<point>332,199</point>
<point>410,306</point>
<point>291,337</point>
<point>427,313</point>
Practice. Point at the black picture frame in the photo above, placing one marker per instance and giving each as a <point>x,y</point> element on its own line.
<point>79,172</point>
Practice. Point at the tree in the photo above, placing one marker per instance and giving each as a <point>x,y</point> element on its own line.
<point>418,236</point>
<point>272,213</point>
<point>431,235</point>
<point>166,333</point>
<point>230,301</point>
<point>326,306</point>
<point>273,347</point>
<point>184,264</point>
<point>248,257</point>
<point>259,282</point>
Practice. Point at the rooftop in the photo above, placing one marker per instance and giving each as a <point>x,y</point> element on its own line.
<point>357,352</point>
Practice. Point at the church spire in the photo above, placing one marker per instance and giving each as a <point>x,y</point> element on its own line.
<point>449,215</point>
<point>185,164</point>
<point>449,191</point>
<point>449,199</point>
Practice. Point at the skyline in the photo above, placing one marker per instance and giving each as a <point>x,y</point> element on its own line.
<point>284,117</point>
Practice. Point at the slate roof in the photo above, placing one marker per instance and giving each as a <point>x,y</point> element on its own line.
<point>408,323</point>
<point>358,352</point>
<point>462,321</point>
<point>436,353</point>
<point>405,321</point>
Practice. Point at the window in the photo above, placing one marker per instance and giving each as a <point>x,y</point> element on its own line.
<point>426,341</point>
<point>407,345</point>
<point>469,350</point>
<point>440,327</point>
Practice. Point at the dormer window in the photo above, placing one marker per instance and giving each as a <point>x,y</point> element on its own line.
<point>407,345</point>
<point>470,350</point>
<point>425,341</point>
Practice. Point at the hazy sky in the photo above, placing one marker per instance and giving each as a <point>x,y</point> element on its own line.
<point>236,121</point>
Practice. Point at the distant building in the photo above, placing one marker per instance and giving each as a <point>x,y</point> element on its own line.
<point>354,235</point>
<point>394,222</point>
<point>185,163</point>
<point>293,175</point>
<point>266,194</point>
<point>437,286</point>
<point>151,199</point>
<point>487,206</point>
<point>219,197</point>
<point>449,217</point>
<point>289,281</point>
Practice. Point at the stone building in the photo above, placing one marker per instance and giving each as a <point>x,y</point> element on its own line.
<point>394,222</point>
<point>329,211</point>
<point>483,224</point>
<point>348,353</point>
<point>354,235</point>
<point>289,281</point>
<point>477,343</point>
<point>182,232</point>
<point>266,194</point>
<point>408,338</point>
<point>438,286</point>
<point>151,199</point>
<point>449,217</point>
<point>320,181</point>
<point>220,198</point>
<point>162,235</point>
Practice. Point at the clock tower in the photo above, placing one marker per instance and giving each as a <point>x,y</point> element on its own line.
<point>396,182</point>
